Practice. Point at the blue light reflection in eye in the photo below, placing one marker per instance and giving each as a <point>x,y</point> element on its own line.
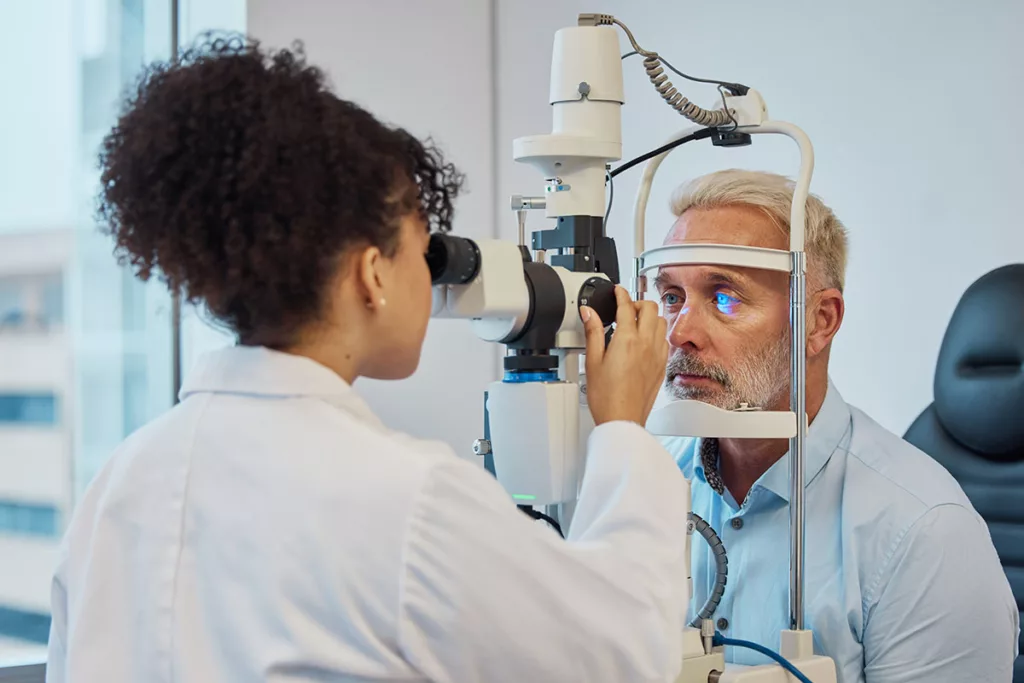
<point>725,303</point>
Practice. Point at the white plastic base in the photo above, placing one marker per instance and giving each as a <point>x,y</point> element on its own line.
<point>817,669</point>
<point>796,644</point>
<point>697,666</point>
<point>797,648</point>
<point>698,669</point>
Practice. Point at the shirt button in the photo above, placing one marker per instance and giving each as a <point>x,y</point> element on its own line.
<point>723,624</point>
<point>737,523</point>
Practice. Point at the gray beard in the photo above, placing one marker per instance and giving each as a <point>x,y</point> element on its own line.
<point>759,380</point>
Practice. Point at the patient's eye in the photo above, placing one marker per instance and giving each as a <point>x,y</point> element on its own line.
<point>671,299</point>
<point>726,303</point>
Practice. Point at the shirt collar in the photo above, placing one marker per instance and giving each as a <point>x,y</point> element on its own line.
<point>259,371</point>
<point>824,435</point>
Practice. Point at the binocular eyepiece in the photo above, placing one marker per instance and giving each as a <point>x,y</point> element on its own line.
<point>452,260</point>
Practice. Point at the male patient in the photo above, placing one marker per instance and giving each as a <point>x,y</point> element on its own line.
<point>902,581</point>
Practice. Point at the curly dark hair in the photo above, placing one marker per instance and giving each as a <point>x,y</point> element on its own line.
<point>237,177</point>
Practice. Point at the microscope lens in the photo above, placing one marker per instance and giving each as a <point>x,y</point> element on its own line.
<point>452,260</point>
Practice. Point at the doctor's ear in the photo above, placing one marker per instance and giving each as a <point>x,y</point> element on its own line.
<point>370,266</point>
<point>825,315</point>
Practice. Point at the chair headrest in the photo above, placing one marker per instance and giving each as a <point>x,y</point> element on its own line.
<point>979,379</point>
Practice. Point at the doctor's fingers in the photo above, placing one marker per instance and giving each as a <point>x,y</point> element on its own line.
<point>594,329</point>
<point>625,314</point>
<point>647,318</point>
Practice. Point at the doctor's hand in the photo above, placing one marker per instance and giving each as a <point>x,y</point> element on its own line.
<point>623,379</point>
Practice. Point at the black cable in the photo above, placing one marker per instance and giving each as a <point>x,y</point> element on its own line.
<point>611,198</point>
<point>725,108</point>
<point>536,514</point>
<point>698,135</point>
<point>734,88</point>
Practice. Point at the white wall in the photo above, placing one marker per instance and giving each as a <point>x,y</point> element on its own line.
<point>425,66</point>
<point>901,101</point>
<point>526,32</point>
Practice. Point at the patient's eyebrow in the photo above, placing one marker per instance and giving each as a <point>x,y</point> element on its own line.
<point>662,280</point>
<point>723,278</point>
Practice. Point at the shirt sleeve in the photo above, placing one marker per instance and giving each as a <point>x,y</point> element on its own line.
<point>946,613</point>
<point>490,595</point>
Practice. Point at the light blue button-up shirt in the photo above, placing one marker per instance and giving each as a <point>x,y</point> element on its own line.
<point>903,583</point>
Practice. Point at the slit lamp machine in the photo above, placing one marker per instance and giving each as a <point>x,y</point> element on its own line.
<point>527,297</point>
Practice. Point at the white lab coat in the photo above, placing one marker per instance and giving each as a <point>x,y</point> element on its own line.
<point>270,528</point>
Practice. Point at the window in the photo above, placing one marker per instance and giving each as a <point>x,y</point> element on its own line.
<point>85,348</point>
<point>28,409</point>
<point>27,519</point>
<point>31,302</point>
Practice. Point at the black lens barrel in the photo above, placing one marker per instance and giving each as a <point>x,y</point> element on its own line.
<point>452,260</point>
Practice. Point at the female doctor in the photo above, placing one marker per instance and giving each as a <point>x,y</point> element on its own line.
<point>269,527</point>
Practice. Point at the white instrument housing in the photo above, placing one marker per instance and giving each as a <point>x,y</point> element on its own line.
<point>498,300</point>
<point>541,425</point>
<point>586,99</point>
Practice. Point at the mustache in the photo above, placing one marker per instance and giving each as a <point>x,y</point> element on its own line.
<point>684,364</point>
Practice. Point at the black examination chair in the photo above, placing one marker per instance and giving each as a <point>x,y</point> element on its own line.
<point>975,426</point>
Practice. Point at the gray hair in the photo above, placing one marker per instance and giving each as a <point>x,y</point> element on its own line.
<point>825,238</point>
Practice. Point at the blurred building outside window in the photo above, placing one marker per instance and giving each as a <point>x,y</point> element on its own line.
<point>85,348</point>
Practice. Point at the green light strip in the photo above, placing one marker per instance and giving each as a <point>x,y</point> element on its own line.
<point>521,496</point>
